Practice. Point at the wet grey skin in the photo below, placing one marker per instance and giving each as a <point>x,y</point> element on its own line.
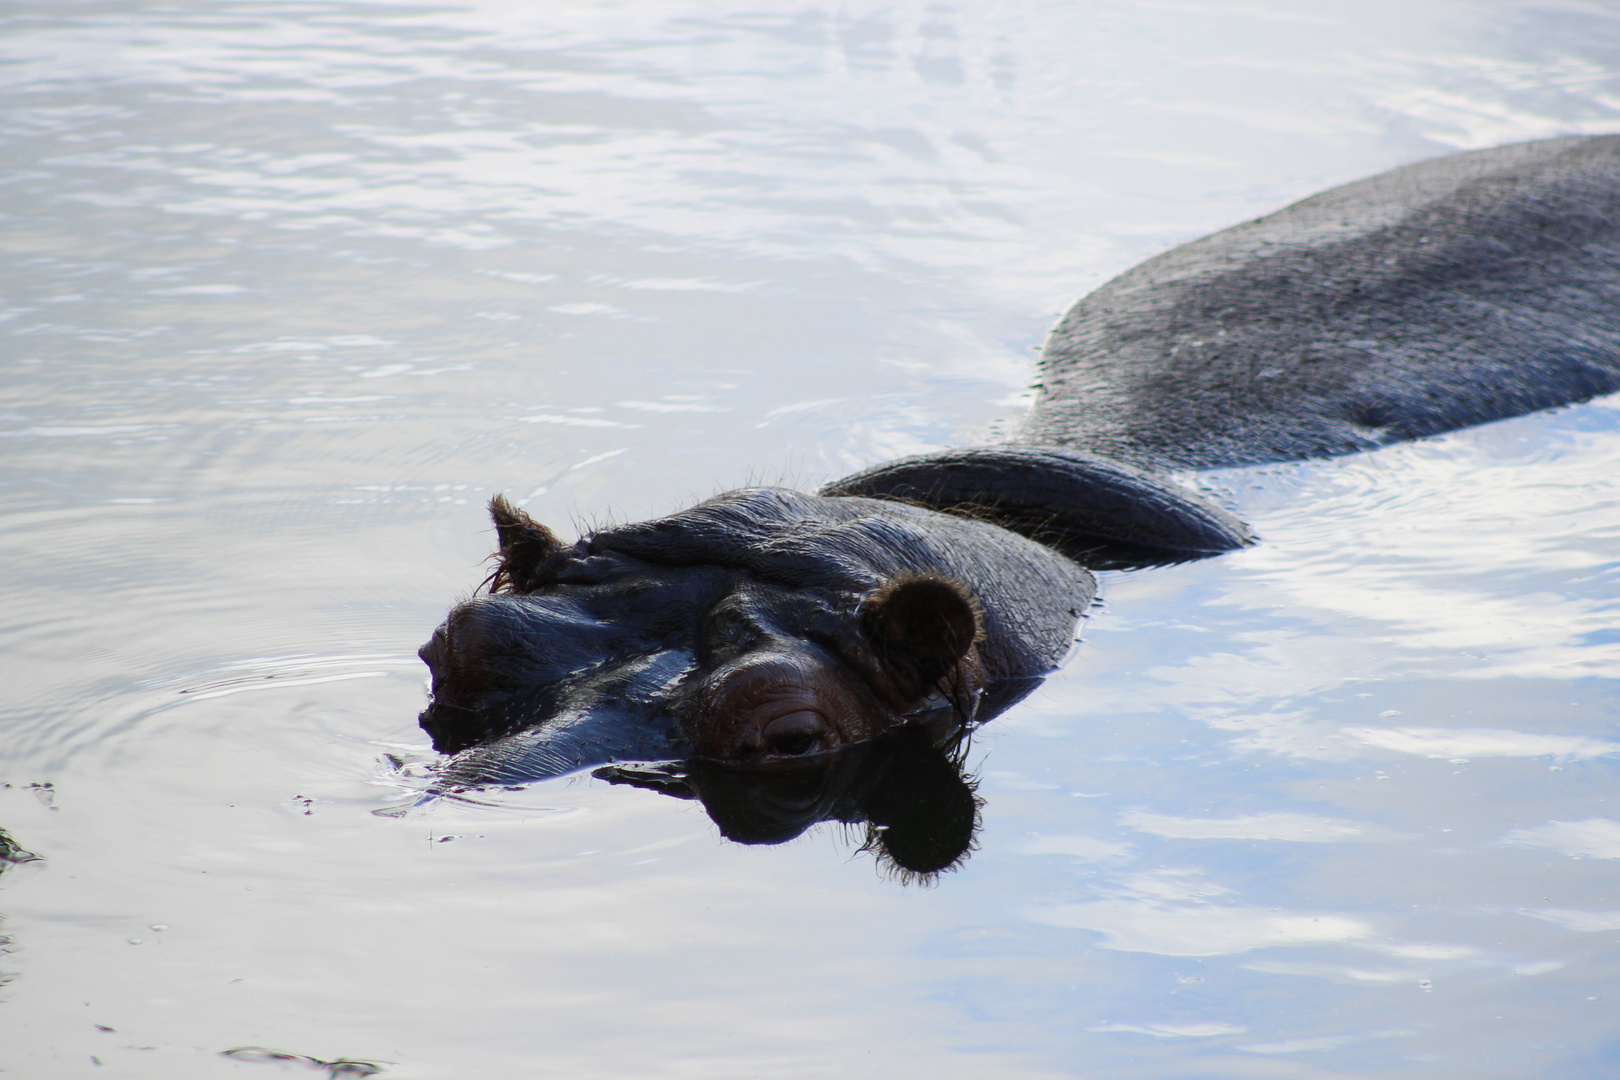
<point>770,629</point>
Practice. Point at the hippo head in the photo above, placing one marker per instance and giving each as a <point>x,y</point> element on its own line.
<point>763,629</point>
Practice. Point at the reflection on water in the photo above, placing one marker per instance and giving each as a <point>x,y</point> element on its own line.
<point>919,811</point>
<point>290,291</point>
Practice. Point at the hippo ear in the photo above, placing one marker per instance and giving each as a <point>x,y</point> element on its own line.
<point>920,628</point>
<point>524,545</point>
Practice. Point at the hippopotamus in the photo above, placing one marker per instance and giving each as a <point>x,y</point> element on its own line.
<point>755,638</point>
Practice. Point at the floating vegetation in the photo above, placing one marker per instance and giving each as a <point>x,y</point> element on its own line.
<point>11,853</point>
<point>341,1067</point>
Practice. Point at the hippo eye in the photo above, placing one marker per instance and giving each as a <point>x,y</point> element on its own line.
<point>795,745</point>
<point>795,734</point>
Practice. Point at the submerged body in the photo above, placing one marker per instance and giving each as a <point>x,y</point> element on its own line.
<point>769,629</point>
<point>1432,297</point>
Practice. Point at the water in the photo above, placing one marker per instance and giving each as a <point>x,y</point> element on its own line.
<point>290,289</point>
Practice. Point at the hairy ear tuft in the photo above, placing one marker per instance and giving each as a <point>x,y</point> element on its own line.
<point>920,628</point>
<point>524,545</point>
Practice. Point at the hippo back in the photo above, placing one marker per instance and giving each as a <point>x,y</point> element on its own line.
<point>1447,293</point>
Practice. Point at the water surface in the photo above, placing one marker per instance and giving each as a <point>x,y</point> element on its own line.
<point>289,290</point>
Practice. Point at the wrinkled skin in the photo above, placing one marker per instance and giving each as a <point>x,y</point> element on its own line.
<point>772,631</point>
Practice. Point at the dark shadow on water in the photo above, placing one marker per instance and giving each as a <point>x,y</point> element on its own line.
<point>909,790</point>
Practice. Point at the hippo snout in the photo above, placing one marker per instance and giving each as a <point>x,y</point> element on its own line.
<point>436,655</point>
<point>460,656</point>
